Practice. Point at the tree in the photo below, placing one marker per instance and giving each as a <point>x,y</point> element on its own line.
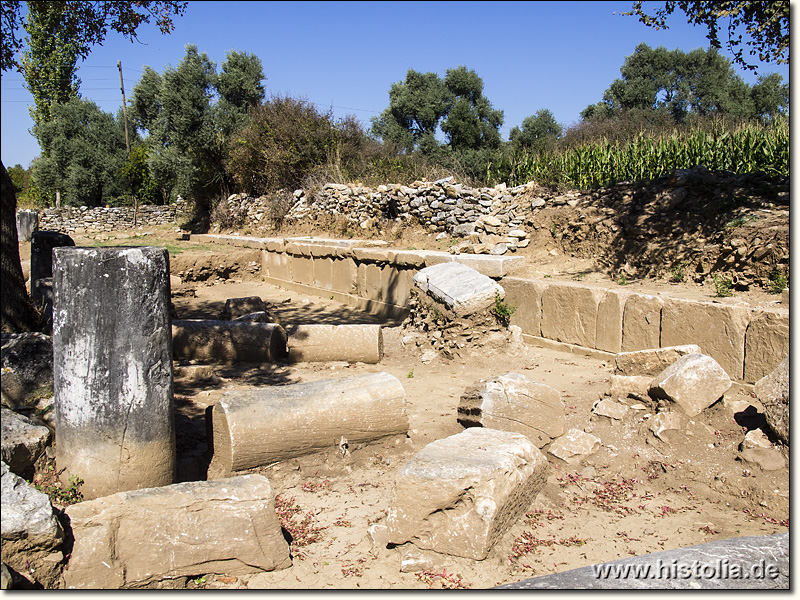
<point>766,22</point>
<point>88,21</point>
<point>83,150</point>
<point>470,123</point>
<point>49,63</point>
<point>770,97</point>
<point>187,131</point>
<point>424,102</point>
<point>538,132</point>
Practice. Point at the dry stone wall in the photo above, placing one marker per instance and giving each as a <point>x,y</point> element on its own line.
<point>84,219</point>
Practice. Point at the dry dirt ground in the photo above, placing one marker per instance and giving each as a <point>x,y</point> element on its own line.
<point>635,496</point>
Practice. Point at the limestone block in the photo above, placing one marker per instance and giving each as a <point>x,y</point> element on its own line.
<point>526,295</point>
<point>495,267</point>
<point>27,224</point>
<point>277,265</point>
<point>574,446</point>
<point>31,533</point>
<point>302,269</point>
<point>324,343</point>
<point>254,427</point>
<point>512,402</point>
<point>373,255</point>
<point>432,257</point>
<point>23,441</point>
<point>569,313</point>
<point>27,364</point>
<point>630,386</point>
<point>664,422</point>
<point>343,275</point>
<point>641,323</point>
<point>409,259</point>
<point>396,285</point>
<point>766,342</point>
<point>460,494</point>
<point>461,289</point>
<point>322,275</point>
<point>650,362</point>
<point>611,409</point>
<point>373,281</point>
<point>693,382</point>
<point>237,307</point>
<point>610,312</point>
<point>130,539</point>
<point>773,392</point>
<point>228,342</point>
<point>719,329</point>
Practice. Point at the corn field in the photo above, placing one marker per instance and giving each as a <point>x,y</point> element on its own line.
<point>746,149</point>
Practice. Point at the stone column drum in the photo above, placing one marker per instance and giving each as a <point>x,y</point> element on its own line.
<point>112,368</point>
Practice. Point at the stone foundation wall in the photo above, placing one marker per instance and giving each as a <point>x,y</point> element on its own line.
<point>84,219</point>
<point>747,342</point>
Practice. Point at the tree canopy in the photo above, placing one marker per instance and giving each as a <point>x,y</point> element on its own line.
<point>538,131</point>
<point>766,22</point>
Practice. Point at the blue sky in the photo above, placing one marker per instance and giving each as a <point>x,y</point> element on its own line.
<point>560,56</point>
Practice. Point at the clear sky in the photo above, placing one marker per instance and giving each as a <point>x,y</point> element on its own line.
<point>560,56</point>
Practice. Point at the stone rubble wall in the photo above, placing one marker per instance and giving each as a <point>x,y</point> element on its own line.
<point>84,219</point>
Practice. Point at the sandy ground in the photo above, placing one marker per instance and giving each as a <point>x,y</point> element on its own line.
<point>636,495</point>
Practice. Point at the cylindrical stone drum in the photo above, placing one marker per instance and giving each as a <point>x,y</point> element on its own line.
<point>112,368</point>
<point>323,343</point>
<point>228,342</point>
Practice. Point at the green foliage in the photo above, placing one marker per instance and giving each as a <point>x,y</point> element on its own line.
<point>723,285</point>
<point>622,280</point>
<point>48,482</point>
<point>85,23</point>
<point>766,25</point>
<point>410,374</point>
<point>83,151</point>
<point>778,281</point>
<point>135,170</point>
<point>677,274</point>
<point>425,102</point>
<point>502,311</point>
<point>539,132</point>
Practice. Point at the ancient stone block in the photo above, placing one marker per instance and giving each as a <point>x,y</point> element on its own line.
<point>323,273</point>
<point>693,382</point>
<point>323,343</point>
<point>23,441</point>
<point>27,363</point>
<point>309,416</point>
<point>512,402</point>
<point>773,392</point>
<point>31,533</point>
<point>609,320</point>
<point>766,342</point>
<point>302,269</point>
<point>611,409</point>
<point>569,313</point>
<point>27,224</point>
<point>237,307</point>
<point>526,295</point>
<point>343,274</point>
<point>641,323</point>
<point>650,362</point>
<point>495,267</point>
<point>628,386</point>
<point>112,367</point>
<point>228,342</point>
<point>458,287</point>
<point>460,494</point>
<point>574,446</point>
<point>719,329</point>
<point>130,539</point>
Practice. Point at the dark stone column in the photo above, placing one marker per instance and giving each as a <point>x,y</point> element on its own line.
<point>112,368</point>
<point>42,244</point>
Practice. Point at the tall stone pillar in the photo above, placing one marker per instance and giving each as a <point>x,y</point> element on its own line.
<point>112,368</point>
<point>42,244</point>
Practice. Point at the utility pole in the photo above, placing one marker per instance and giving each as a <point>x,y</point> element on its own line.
<point>127,140</point>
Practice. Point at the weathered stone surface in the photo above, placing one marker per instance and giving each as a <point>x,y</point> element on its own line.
<point>574,446</point>
<point>512,402</point>
<point>460,494</point>
<point>236,307</point>
<point>31,533</point>
<point>323,343</point>
<point>228,342</point>
<point>610,312</point>
<point>766,459</point>
<point>754,562</point>
<point>641,322</point>
<point>650,362</point>
<point>693,382</point>
<point>112,368</point>
<point>526,295</point>
<point>130,539</point>
<point>23,441</point>
<point>719,329</point>
<point>664,422</point>
<point>773,392</point>
<point>766,342</point>
<point>459,287</point>
<point>27,364</point>
<point>630,386</point>
<point>611,409</point>
<point>569,313</point>
<point>27,224</point>
<point>308,416</point>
